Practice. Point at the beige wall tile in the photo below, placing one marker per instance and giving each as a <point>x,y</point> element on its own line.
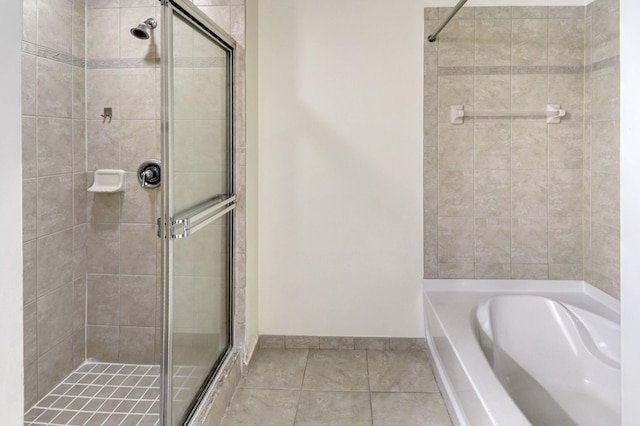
<point>100,44</point>
<point>55,204</point>
<point>54,24</point>
<point>570,12</point>
<point>529,146</point>
<point>79,100</point>
<point>455,239</point>
<point>492,240</point>
<point>430,181</point>
<point>54,146</point>
<point>605,99</point>
<point>79,198</point>
<point>103,144</point>
<point>30,20</point>
<point>79,347</point>
<point>29,84</point>
<point>79,251</point>
<point>492,147</point>
<point>492,271</point>
<point>54,98</point>
<point>29,274</point>
<point>431,247</point>
<point>606,32</point>
<point>30,385</point>
<point>138,99</point>
<point>55,317</point>
<point>103,248</point>
<point>493,42</point>
<point>529,271</point>
<point>492,196</point>
<point>103,300</point>
<point>137,301</point>
<point>301,342</point>
<point>530,12</point>
<point>605,201</point>
<point>137,249</point>
<point>79,136</point>
<point>136,345</point>
<point>529,240</point>
<point>54,365</point>
<point>103,207</point>
<point>566,41</point>
<point>371,343</point>
<point>79,304</point>
<point>605,144</point>
<point>566,272</point>
<point>102,91</point>
<point>605,246</point>
<point>565,146</point>
<point>494,12</point>
<point>78,33</point>
<point>455,193</point>
<point>30,333</point>
<point>529,192</point>
<point>455,147</point>
<point>457,43</point>
<point>529,42</point>
<point>528,92</point>
<point>29,209</point>
<point>565,192</point>
<point>139,205</point>
<point>138,143</point>
<point>565,240</point>
<point>336,343</point>
<point>456,270</point>
<point>29,148</point>
<point>493,93</point>
<point>102,342</point>
<point>54,261</point>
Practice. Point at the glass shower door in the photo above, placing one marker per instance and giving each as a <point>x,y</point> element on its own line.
<point>198,206</point>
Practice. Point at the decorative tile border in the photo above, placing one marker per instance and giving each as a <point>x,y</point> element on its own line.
<point>54,55</point>
<point>605,63</point>
<point>511,70</point>
<point>340,342</point>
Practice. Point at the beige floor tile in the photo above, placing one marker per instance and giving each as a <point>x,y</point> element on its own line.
<point>262,407</point>
<point>336,370</point>
<point>334,408</point>
<point>393,409</point>
<point>400,372</point>
<point>276,369</point>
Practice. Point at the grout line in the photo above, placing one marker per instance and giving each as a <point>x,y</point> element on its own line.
<point>369,385</point>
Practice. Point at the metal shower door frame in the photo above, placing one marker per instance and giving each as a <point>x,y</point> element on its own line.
<point>166,223</point>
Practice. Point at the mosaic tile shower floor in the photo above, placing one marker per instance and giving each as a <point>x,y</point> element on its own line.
<point>102,394</point>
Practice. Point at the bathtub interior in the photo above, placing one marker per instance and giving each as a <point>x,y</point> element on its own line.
<point>473,392</point>
<point>560,364</point>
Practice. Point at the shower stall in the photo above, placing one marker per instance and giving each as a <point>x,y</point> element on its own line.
<point>130,209</point>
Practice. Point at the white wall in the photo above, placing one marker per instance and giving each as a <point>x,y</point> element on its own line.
<point>11,368</point>
<point>252,43</point>
<point>630,209</point>
<point>340,151</point>
<point>340,167</point>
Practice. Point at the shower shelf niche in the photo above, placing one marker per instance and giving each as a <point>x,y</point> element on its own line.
<point>553,114</point>
<point>108,180</point>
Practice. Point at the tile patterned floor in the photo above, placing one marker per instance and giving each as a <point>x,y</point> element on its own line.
<point>102,394</point>
<point>337,387</point>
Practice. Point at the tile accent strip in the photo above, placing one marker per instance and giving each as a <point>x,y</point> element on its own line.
<point>54,55</point>
<point>507,70</point>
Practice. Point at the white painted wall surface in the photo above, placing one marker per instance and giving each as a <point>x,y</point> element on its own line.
<point>252,49</point>
<point>340,151</point>
<point>340,167</point>
<point>630,209</point>
<point>11,368</point>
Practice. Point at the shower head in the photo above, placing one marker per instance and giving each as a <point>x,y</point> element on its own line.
<point>142,30</point>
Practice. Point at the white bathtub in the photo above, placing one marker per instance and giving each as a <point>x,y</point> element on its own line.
<point>510,353</point>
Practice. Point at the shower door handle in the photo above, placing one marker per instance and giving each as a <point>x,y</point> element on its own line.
<point>201,218</point>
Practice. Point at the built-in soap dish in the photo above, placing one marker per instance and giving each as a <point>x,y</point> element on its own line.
<point>108,180</point>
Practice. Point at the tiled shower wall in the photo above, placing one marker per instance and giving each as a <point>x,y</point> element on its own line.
<point>517,198</point>
<point>98,250</point>
<point>54,192</point>
<point>123,286</point>
<point>602,146</point>
<point>503,195</point>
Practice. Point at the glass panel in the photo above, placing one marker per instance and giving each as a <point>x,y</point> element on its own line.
<point>200,117</point>
<point>200,172</point>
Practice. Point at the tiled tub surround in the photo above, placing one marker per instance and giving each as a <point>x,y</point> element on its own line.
<point>601,203</point>
<point>504,197</point>
<point>338,387</point>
